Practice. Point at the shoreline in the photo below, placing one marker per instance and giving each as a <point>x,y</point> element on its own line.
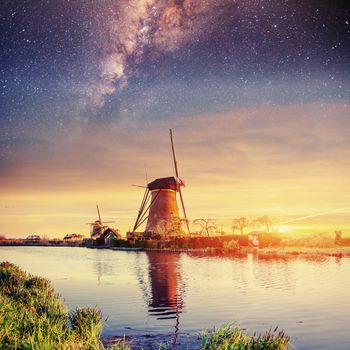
<point>338,252</point>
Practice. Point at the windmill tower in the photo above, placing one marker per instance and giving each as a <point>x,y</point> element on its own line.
<point>159,205</point>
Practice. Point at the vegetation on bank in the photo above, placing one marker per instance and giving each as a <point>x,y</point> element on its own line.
<point>33,316</point>
<point>233,338</point>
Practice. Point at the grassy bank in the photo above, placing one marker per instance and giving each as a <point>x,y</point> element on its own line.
<point>33,316</point>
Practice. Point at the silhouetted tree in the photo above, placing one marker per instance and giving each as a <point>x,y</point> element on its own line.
<point>207,225</point>
<point>169,227</point>
<point>338,235</point>
<point>263,221</point>
<point>234,228</point>
<point>240,223</point>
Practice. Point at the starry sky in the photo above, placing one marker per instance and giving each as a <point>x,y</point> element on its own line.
<point>256,91</point>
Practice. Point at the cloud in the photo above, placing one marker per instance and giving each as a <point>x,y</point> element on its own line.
<point>289,159</point>
<point>134,27</point>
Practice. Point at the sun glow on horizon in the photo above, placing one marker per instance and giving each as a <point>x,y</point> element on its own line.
<point>241,166</point>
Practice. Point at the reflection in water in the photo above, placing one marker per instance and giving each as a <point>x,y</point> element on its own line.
<point>102,268</point>
<point>165,301</point>
<point>307,296</point>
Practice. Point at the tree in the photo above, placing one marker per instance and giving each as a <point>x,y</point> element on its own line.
<point>207,225</point>
<point>169,227</point>
<point>338,235</point>
<point>240,224</point>
<point>263,221</point>
<point>234,228</point>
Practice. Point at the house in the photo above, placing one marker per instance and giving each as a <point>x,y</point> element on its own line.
<point>73,238</point>
<point>263,239</point>
<point>33,238</point>
<point>253,238</point>
<point>107,237</point>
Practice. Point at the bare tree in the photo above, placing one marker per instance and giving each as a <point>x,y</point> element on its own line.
<point>207,225</point>
<point>240,223</point>
<point>338,235</point>
<point>263,221</point>
<point>234,228</point>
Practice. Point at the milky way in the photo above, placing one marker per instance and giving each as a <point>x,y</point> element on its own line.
<point>60,54</point>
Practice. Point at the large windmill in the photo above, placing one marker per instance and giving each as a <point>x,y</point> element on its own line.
<point>159,206</point>
<point>98,227</point>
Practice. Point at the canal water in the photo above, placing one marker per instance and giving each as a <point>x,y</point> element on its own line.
<point>177,295</point>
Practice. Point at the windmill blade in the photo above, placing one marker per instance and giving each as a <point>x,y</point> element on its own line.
<point>146,175</point>
<point>108,222</point>
<point>173,150</point>
<point>184,210</point>
<point>139,186</point>
<point>177,176</point>
<point>98,212</point>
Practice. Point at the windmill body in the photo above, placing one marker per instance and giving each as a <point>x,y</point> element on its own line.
<point>159,209</point>
<point>164,205</point>
<point>96,229</point>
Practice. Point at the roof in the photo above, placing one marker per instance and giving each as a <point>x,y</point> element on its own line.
<point>166,183</point>
<point>108,231</point>
<point>73,236</point>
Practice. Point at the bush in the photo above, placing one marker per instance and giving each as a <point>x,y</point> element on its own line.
<point>231,245</point>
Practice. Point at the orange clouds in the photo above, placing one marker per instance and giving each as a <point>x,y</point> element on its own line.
<point>284,161</point>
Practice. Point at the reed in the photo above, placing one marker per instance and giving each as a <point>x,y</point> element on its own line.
<point>233,338</point>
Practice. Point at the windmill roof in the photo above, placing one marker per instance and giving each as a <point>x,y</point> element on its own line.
<point>166,183</point>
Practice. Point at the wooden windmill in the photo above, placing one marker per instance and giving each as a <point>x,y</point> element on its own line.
<point>98,227</point>
<point>159,206</point>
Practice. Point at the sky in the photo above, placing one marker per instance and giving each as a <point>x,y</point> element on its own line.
<point>256,92</point>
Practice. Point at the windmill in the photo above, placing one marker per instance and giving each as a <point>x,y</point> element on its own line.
<point>98,227</point>
<point>159,205</point>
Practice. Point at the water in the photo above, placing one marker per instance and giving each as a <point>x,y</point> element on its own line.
<point>169,293</point>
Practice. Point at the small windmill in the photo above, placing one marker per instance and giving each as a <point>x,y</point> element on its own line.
<point>159,203</point>
<point>97,227</point>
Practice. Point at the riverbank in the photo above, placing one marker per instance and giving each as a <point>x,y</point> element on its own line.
<point>279,251</point>
<point>33,316</point>
<point>338,252</point>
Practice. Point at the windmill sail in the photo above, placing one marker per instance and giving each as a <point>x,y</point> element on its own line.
<point>177,177</point>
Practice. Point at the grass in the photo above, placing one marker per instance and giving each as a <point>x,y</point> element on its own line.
<point>233,338</point>
<point>33,316</point>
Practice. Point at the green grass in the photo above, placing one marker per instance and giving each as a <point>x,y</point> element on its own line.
<point>233,338</point>
<point>33,316</point>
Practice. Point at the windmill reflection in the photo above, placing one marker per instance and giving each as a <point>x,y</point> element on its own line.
<point>102,267</point>
<point>165,300</point>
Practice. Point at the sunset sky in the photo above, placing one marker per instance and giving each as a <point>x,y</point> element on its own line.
<point>256,92</point>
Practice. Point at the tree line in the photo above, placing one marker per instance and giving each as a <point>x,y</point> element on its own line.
<point>208,227</point>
